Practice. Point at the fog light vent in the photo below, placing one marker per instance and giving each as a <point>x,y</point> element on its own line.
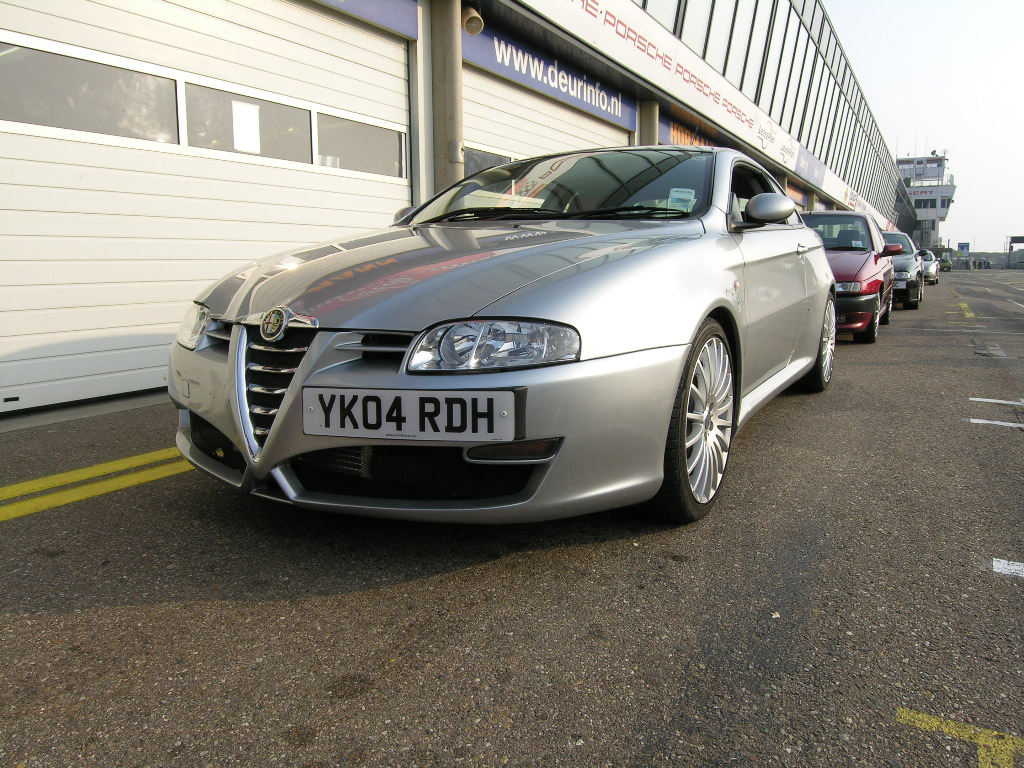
<point>526,450</point>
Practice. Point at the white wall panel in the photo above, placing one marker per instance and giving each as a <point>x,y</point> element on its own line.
<point>104,240</point>
<point>506,117</point>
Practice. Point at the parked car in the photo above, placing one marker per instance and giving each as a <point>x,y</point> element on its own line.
<point>945,264</point>
<point>863,266</point>
<point>545,338</point>
<point>909,288</point>
<point>930,264</point>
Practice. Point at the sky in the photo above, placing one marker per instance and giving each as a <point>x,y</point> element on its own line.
<point>946,75</point>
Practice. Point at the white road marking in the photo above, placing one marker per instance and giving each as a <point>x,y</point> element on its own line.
<point>1007,567</point>
<point>1000,402</point>
<point>1016,302</point>
<point>1016,425</point>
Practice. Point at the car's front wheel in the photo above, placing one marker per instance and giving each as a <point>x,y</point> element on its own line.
<point>818,378</point>
<point>701,430</point>
<point>887,315</point>
<point>920,297</point>
<point>870,334</point>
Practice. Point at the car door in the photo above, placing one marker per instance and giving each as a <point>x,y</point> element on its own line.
<point>886,264</point>
<point>775,286</point>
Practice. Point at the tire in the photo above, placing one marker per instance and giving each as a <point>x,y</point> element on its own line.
<point>884,320</point>
<point>700,432</point>
<point>870,334</point>
<point>820,376</point>
<point>920,296</point>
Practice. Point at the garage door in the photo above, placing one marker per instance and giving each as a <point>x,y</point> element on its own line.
<point>507,120</point>
<point>222,132</point>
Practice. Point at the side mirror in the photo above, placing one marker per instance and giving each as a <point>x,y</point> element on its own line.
<point>767,208</point>
<point>402,213</point>
<point>891,249</point>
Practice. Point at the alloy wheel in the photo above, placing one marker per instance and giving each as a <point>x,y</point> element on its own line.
<point>709,408</point>
<point>828,341</point>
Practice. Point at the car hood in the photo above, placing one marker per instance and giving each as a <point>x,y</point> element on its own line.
<point>412,277</point>
<point>847,265</point>
<point>904,263</point>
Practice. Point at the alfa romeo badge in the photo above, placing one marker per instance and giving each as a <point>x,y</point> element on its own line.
<point>273,324</point>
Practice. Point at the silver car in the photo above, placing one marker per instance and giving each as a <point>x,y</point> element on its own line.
<point>546,338</point>
<point>930,263</point>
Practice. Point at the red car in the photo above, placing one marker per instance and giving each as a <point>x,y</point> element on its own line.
<point>863,265</point>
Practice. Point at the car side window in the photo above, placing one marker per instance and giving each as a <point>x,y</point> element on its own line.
<point>876,235</point>
<point>747,182</point>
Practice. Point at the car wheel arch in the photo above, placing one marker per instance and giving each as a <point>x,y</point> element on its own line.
<point>726,319</point>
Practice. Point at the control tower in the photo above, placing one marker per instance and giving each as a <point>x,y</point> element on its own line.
<point>932,190</point>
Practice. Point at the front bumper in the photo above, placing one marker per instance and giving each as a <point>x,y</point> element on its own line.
<point>610,416</point>
<point>902,294</point>
<point>855,311</point>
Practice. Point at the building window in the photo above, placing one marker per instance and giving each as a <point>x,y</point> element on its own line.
<point>695,25</point>
<point>946,201</point>
<point>664,12</point>
<point>232,123</point>
<point>718,35</point>
<point>358,146</point>
<point>49,89</point>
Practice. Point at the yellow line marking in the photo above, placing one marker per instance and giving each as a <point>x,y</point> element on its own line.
<point>77,475</point>
<point>995,750</point>
<point>51,500</point>
<point>966,310</point>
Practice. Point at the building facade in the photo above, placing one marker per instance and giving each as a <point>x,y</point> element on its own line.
<point>148,148</point>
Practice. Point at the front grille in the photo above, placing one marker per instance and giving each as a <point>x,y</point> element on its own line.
<point>269,368</point>
<point>215,444</point>
<point>407,472</point>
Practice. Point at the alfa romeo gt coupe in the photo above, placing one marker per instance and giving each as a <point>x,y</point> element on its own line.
<point>546,338</point>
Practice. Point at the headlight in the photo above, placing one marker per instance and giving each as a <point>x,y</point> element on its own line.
<point>193,325</point>
<point>485,345</point>
<point>902,275</point>
<point>848,287</point>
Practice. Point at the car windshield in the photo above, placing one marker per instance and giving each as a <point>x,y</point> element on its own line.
<point>642,183</point>
<point>840,233</point>
<point>898,238</point>
<point>927,256</point>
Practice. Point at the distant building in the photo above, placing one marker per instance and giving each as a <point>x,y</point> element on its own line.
<point>932,190</point>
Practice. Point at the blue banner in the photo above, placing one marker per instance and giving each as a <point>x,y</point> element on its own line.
<point>508,58</point>
<point>399,16</point>
<point>810,167</point>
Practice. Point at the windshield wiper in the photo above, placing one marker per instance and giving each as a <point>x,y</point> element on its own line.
<point>495,212</point>
<point>630,210</point>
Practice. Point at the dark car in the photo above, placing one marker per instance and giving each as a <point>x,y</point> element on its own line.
<point>909,287</point>
<point>862,263</point>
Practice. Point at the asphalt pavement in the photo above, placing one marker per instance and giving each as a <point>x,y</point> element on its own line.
<point>855,599</point>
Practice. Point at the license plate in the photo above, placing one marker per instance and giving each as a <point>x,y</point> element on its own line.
<point>900,284</point>
<point>409,414</point>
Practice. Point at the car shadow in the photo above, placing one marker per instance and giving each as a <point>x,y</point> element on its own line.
<point>193,539</point>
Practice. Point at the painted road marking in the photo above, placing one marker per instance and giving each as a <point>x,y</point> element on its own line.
<point>1008,567</point>
<point>1017,425</point>
<point>45,501</point>
<point>78,475</point>
<point>995,750</point>
<point>998,402</point>
<point>1016,302</point>
<point>966,310</point>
